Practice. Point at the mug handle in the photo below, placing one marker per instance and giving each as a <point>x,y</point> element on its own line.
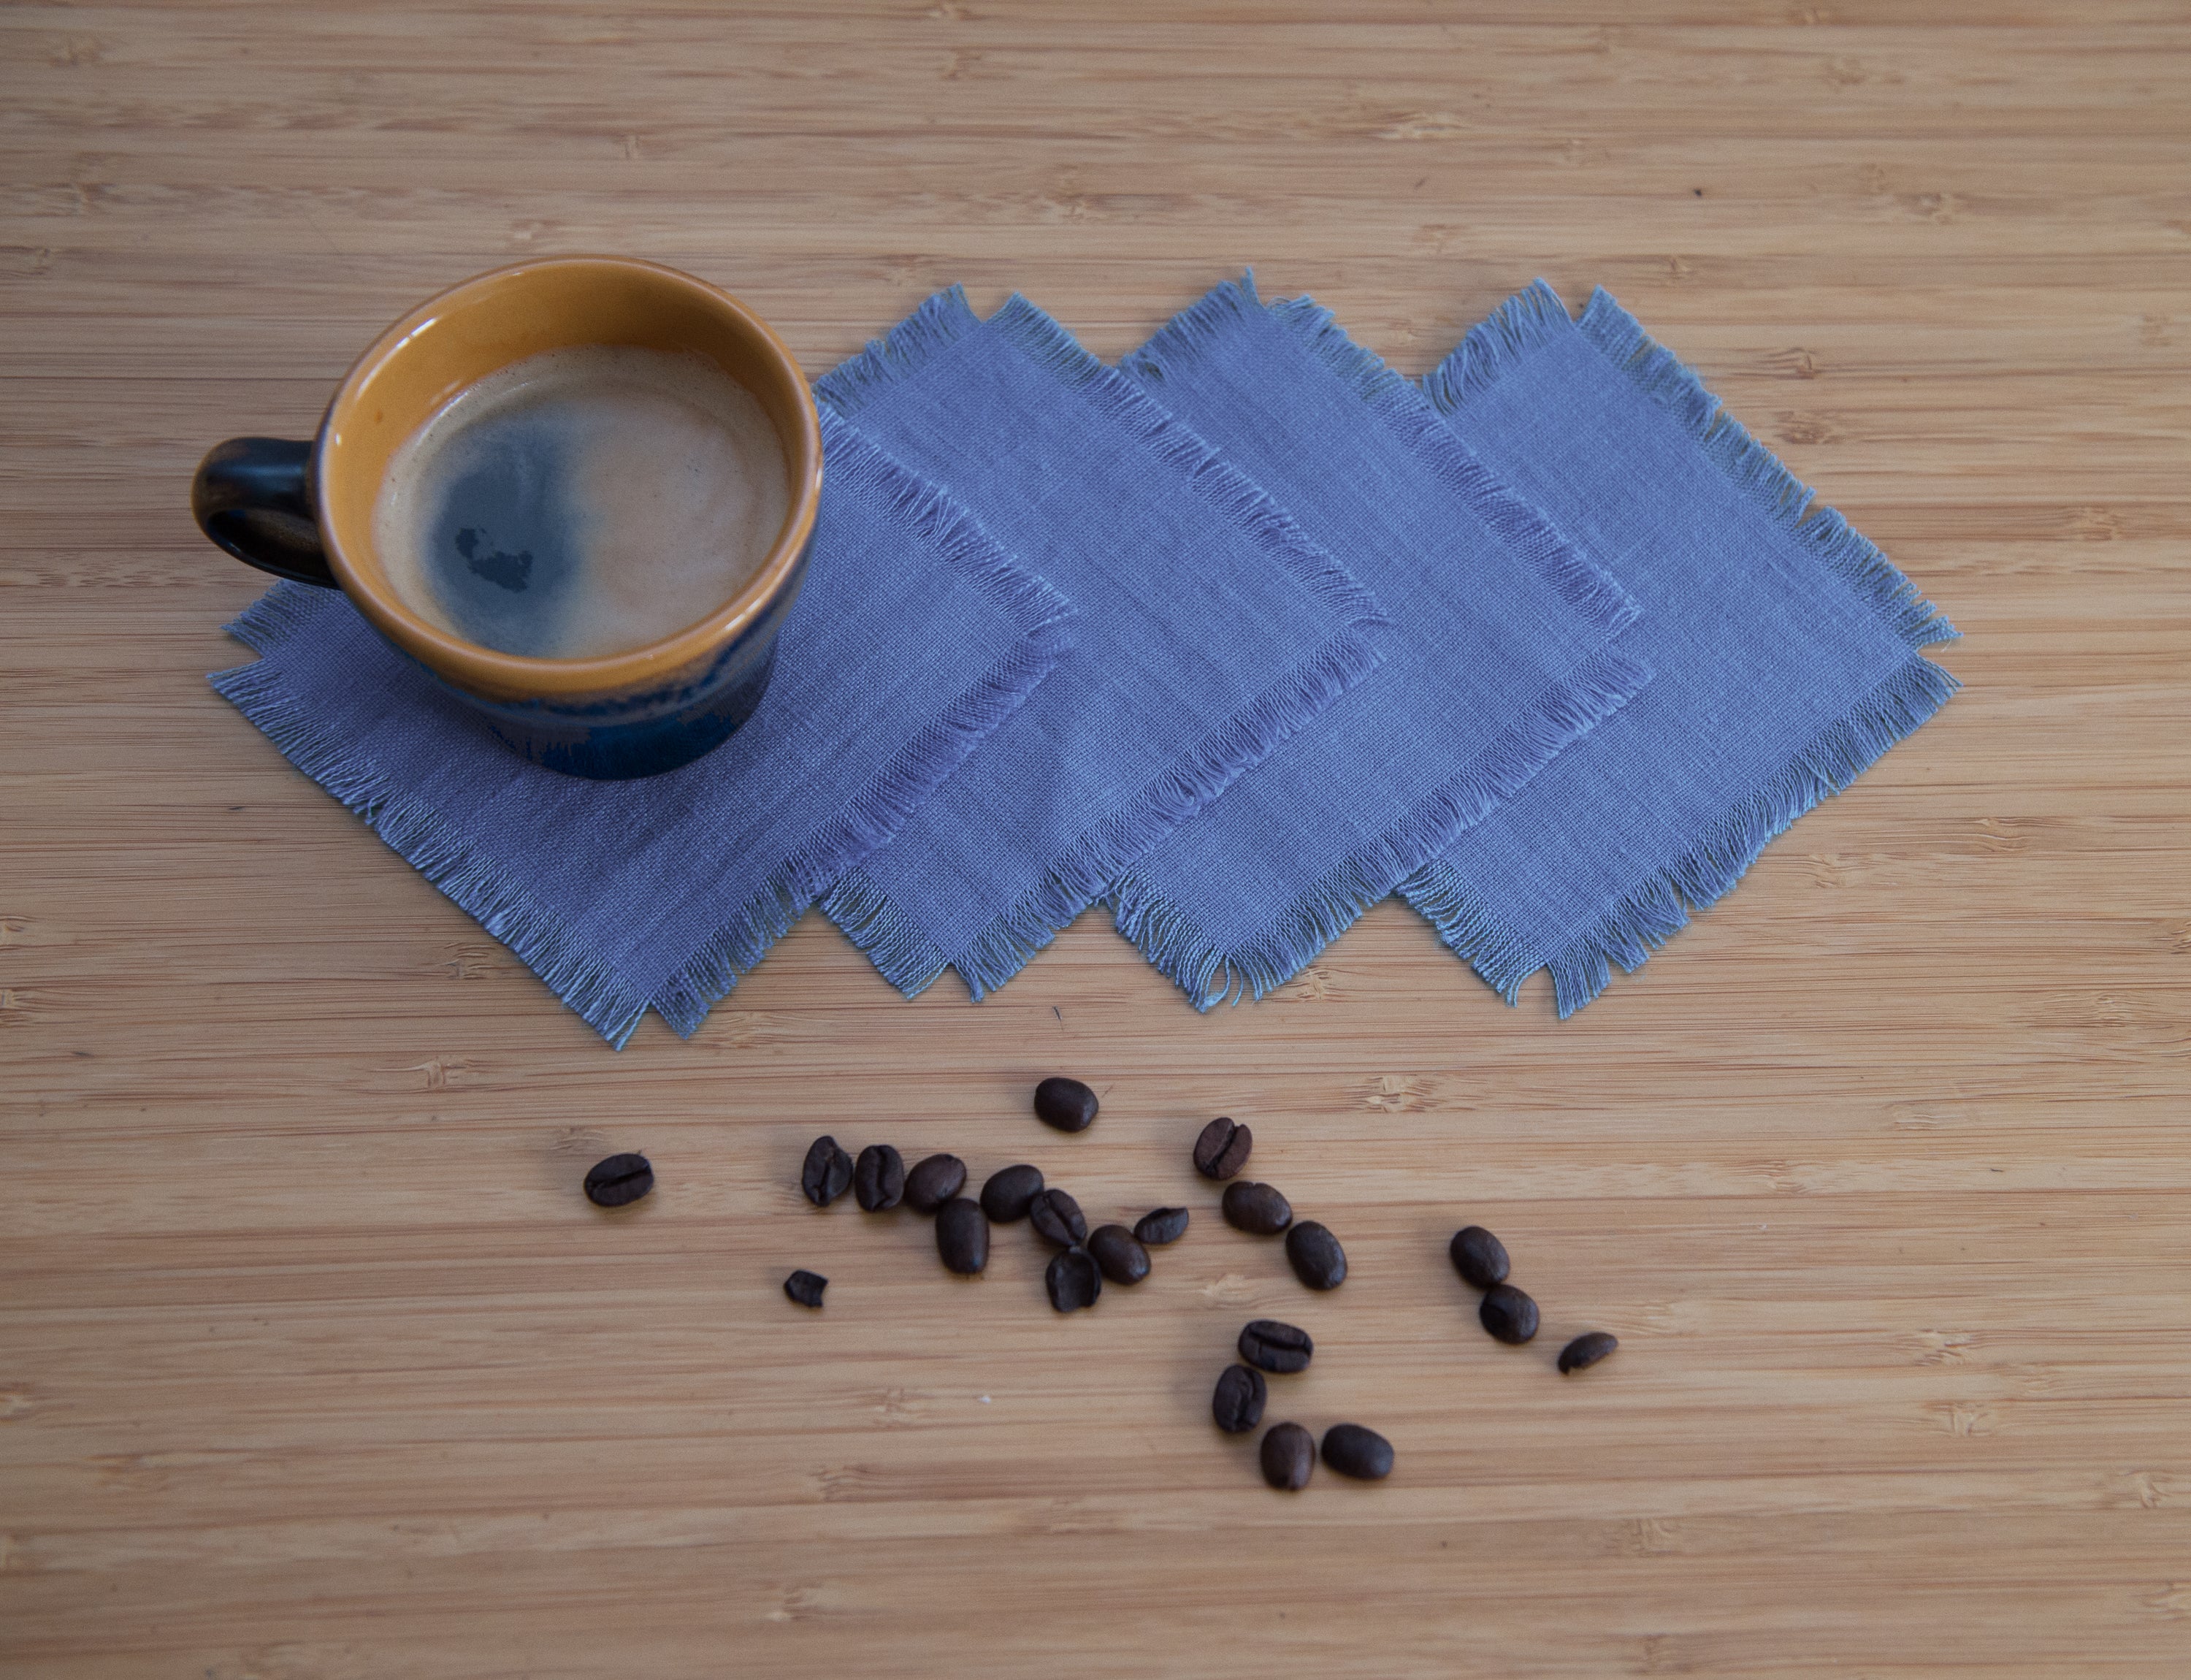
<point>253,497</point>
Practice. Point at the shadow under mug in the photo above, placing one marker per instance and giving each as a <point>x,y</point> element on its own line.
<point>304,511</point>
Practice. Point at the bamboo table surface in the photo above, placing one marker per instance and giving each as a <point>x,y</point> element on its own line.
<point>313,1363</point>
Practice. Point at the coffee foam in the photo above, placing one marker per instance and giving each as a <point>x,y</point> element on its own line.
<point>583,502</point>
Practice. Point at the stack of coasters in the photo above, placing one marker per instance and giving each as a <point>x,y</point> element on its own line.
<point>1551,646</point>
<point>1212,628</point>
<point>1784,644</point>
<point>1501,657</point>
<point>914,636</point>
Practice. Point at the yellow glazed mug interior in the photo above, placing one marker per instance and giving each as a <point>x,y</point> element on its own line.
<point>451,342</point>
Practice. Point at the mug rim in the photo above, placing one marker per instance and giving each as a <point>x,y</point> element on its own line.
<point>473,665</point>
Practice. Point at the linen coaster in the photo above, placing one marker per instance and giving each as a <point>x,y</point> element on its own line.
<point>1785,646</point>
<point>1499,659</point>
<point>913,636</point>
<point>1211,628</point>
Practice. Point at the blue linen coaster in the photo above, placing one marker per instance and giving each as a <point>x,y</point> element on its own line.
<point>1785,646</point>
<point>1211,628</point>
<point>914,636</point>
<point>1499,659</point>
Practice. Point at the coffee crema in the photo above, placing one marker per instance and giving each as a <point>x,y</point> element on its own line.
<point>583,502</point>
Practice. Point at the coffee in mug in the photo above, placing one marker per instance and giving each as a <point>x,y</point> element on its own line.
<point>579,492</point>
<point>583,502</point>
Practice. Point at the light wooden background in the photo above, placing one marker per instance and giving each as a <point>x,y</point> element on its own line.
<point>313,1366</point>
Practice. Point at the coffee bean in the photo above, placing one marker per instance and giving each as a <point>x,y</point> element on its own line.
<point>619,1181</point>
<point>1508,1314</point>
<point>879,1178</point>
<point>806,1288</point>
<point>1478,1256</point>
<point>1585,1351</point>
<point>1289,1456</point>
<point>1352,1450</point>
<point>962,1236</point>
<point>828,1173</point>
<point>934,1181</point>
<point>1066,1104</point>
<point>1222,1149</point>
<point>1237,1403</point>
<point>1318,1259</point>
<point>1006,1196</point>
<point>1256,1209</point>
<point>1073,1280</point>
<point>1281,1349</point>
<point>1119,1253</point>
<point>1057,1219</point>
<point>1166,1225</point>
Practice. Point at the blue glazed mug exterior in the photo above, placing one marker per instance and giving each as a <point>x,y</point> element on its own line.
<point>304,511</point>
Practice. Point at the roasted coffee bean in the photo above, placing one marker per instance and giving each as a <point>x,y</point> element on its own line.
<point>1478,1256</point>
<point>1318,1259</point>
<point>1256,1209</point>
<point>962,1235</point>
<point>879,1178</point>
<point>1057,1219</point>
<point>1066,1104</point>
<point>934,1181</point>
<point>1222,1149</point>
<point>828,1173</point>
<point>1363,1453</point>
<point>1119,1253</point>
<point>1280,1349</point>
<point>1006,1196</point>
<point>1289,1456</point>
<point>806,1288</point>
<point>1073,1280</point>
<point>1585,1351</point>
<point>1166,1225</point>
<point>619,1181</point>
<point>1508,1314</point>
<point>1237,1403</point>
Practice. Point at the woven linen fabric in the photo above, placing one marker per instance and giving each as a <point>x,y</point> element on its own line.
<point>1211,628</point>
<point>913,636</point>
<point>1784,644</point>
<point>1499,657</point>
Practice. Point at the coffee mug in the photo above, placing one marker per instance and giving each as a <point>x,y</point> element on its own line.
<point>305,510</point>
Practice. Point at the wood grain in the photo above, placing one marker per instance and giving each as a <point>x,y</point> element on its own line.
<point>314,1367</point>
